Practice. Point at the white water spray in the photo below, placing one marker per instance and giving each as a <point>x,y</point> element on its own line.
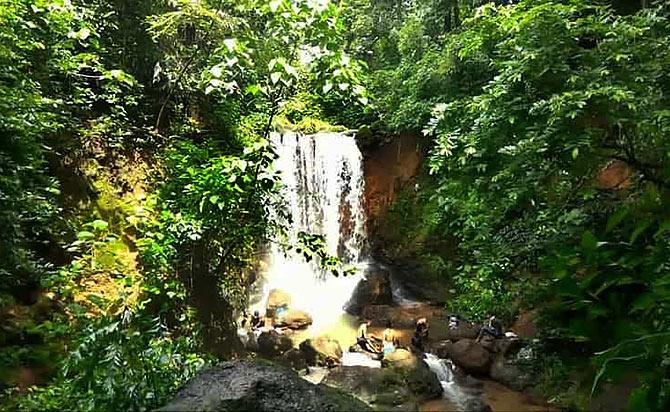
<point>322,176</point>
<point>443,368</point>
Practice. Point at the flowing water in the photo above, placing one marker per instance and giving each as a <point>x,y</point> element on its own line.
<point>323,191</point>
<point>443,368</point>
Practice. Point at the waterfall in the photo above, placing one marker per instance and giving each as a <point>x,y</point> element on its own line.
<point>451,390</point>
<point>322,175</point>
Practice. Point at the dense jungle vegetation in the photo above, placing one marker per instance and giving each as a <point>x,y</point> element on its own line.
<point>136,189</point>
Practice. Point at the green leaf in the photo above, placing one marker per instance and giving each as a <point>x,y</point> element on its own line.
<point>589,242</point>
<point>616,218</point>
<point>639,229</point>
<point>275,77</point>
<point>85,235</point>
<point>99,225</point>
<point>274,5</point>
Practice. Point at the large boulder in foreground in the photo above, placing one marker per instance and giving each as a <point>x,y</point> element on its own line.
<point>321,351</point>
<point>403,382</point>
<point>272,344</point>
<point>400,358</point>
<point>471,356</point>
<point>415,373</point>
<point>382,388</point>
<point>257,386</point>
<point>374,289</point>
<point>292,319</point>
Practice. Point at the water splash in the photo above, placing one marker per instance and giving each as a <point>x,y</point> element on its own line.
<point>322,176</point>
<point>443,368</point>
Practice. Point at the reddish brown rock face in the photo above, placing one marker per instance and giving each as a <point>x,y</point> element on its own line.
<point>388,168</point>
<point>614,175</point>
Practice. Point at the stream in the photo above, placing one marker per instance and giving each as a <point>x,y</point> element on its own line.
<point>323,190</point>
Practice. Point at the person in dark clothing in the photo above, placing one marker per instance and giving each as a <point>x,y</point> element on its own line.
<point>256,321</point>
<point>493,329</point>
<point>420,334</point>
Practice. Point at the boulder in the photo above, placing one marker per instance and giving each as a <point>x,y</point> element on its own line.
<point>423,382</point>
<point>415,373</point>
<point>400,358</point>
<point>440,348</point>
<point>374,289</point>
<point>272,344</point>
<point>385,389</point>
<point>292,319</point>
<point>507,346</point>
<point>476,405</point>
<point>404,316</point>
<point>463,331</point>
<point>257,386</point>
<point>471,356</point>
<point>277,299</point>
<point>513,363</point>
<point>510,374</point>
<point>294,359</point>
<point>321,351</point>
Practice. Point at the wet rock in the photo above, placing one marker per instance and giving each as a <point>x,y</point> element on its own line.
<point>440,348</point>
<point>471,356</point>
<point>292,319</point>
<point>416,374</point>
<point>512,365</point>
<point>507,346</point>
<point>257,386</point>
<point>362,382</point>
<point>476,405</point>
<point>463,331</point>
<point>385,389</point>
<point>374,289</point>
<point>321,351</point>
<point>272,344</point>
<point>294,359</point>
<point>277,299</point>
<point>400,358</point>
<point>511,374</point>
<point>403,316</point>
<point>423,382</point>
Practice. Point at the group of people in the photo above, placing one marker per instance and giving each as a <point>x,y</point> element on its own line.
<point>390,339</point>
<point>374,345</point>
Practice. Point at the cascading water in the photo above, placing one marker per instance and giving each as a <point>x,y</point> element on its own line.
<point>451,390</point>
<point>322,176</point>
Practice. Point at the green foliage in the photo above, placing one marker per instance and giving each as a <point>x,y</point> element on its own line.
<point>124,362</point>
<point>549,170</point>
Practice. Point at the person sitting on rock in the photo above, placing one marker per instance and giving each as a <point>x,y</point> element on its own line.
<point>388,339</point>
<point>453,322</point>
<point>363,329</point>
<point>420,334</point>
<point>256,321</point>
<point>492,329</point>
<point>422,328</point>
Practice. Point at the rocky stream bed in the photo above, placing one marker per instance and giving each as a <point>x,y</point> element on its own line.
<point>290,369</point>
